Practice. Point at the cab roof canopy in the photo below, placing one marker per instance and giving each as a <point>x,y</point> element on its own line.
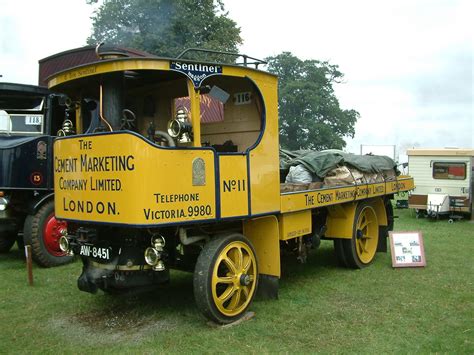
<point>14,88</point>
<point>52,66</point>
<point>78,56</point>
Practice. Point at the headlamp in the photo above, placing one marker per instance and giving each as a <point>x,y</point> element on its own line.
<point>64,244</point>
<point>180,127</point>
<point>158,242</point>
<point>152,256</point>
<point>3,203</point>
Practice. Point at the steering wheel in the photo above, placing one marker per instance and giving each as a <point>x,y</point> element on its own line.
<point>128,120</point>
<point>164,139</point>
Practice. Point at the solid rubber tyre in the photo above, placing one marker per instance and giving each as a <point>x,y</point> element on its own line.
<point>225,278</point>
<point>340,254</point>
<point>42,232</point>
<point>6,241</point>
<point>360,250</point>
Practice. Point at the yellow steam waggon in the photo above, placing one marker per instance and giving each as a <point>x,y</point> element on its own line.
<point>174,163</point>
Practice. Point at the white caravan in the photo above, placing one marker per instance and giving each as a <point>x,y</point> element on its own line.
<point>444,181</point>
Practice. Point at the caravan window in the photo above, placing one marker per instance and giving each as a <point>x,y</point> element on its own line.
<point>449,171</point>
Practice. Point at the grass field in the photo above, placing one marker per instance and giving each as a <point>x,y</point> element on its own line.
<point>321,307</point>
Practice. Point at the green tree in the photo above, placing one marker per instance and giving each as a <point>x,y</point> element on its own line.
<point>310,115</point>
<point>164,27</point>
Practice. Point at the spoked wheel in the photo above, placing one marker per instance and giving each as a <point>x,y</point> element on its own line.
<point>225,278</point>
<point>42,231</point>
<point>340,254</point>
<point>359,251</point>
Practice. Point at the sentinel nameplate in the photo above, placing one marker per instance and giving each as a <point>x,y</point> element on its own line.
<point>196,72</point>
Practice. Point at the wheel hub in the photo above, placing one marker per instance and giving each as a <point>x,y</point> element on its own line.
<point>245,280</point>
<point>53,230</point>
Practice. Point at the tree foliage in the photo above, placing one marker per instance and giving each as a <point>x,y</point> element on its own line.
<point>164,27</point>
<point>310,115</point>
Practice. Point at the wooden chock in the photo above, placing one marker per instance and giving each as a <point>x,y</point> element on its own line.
<point>247,316</point>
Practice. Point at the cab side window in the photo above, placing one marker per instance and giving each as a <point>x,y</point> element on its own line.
<point>231,114</point>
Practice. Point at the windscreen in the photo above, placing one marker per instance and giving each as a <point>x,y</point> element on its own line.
<point>20,114</point>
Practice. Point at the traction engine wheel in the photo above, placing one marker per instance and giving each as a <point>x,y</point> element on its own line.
<point>42,231</point>
<point>359,251</point>
<point>225,278</point>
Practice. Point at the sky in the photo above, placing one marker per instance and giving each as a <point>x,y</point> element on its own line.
<point>407,64</point>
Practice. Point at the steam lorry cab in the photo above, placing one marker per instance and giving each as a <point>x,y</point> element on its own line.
<point>30,117</point>
<point>180,170</point>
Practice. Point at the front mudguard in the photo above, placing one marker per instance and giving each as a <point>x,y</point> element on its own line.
<point>37,201</point>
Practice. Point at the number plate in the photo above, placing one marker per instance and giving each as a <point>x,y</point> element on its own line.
<point>96,252</point>
<point>242,98</point>
<point>33,120</point>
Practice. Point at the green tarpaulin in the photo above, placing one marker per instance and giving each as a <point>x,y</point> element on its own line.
<point>320,163</point>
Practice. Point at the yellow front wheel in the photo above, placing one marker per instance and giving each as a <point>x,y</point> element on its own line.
<point>225,278</point>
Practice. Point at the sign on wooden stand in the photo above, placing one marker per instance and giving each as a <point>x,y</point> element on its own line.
<point>407,249</point>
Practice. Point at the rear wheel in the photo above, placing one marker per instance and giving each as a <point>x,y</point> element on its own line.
<point>6,241</point>
<point>42,231</point>
<point>225,278</point>
<point>339,250</point>
<point>360,250</point>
